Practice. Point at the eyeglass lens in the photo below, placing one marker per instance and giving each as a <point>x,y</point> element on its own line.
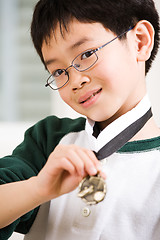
<point>81,63</point>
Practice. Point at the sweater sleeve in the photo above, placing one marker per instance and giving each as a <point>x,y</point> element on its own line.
<point>30,157</point>
<point>26,161</point>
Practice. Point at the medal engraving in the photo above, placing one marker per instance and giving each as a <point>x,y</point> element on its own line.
<point>92,189</point>
<point>99,196</point>
<point>86,191</point>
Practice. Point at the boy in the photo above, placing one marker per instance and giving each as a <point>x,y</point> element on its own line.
<point>97,53</point>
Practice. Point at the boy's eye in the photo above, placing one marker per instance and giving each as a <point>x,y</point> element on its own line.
<point>58,72</point>
<point>87,54</point>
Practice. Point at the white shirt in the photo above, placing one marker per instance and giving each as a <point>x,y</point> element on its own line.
<point>130,210</point>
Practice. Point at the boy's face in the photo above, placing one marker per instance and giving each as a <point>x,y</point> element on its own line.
<point>113,86</point>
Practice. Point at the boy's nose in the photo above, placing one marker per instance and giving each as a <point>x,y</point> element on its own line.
<point>78,79</point>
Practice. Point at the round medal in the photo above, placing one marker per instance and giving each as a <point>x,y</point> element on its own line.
<point>92,189</point>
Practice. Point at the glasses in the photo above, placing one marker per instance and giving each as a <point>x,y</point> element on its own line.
<point>81,63</point>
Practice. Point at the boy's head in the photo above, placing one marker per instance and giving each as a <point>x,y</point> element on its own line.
<point>115,15</point>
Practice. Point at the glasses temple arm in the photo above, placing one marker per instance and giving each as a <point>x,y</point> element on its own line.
<point>97,49</point>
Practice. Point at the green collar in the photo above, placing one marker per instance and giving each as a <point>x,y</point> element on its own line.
<point>141,145</point>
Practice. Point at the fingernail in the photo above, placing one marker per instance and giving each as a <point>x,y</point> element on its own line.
<point>99,167</point>
<point>93,171</point>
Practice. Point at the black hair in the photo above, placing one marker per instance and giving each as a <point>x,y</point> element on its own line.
<point>116,15</point>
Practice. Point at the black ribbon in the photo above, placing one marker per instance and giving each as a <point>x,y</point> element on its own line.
<point>122,138</point>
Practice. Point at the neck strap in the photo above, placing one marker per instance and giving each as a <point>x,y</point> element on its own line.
<point>123,137</point>
<point>120,131</point>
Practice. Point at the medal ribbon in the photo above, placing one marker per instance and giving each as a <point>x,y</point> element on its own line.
<point>119,132</point>
<point>123,137</point>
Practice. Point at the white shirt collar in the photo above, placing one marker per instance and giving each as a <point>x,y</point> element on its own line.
<point>116,126</point>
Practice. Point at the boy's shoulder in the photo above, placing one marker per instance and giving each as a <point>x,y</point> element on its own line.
<point>50,130</point>
<point>45,135</point>
<point>62,124</point>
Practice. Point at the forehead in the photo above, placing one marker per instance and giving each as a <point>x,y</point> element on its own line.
<point>75,35</point>
<point>73,31</point>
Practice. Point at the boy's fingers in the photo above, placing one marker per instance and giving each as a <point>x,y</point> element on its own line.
<point>91,163</point>
<point>83,160</point>
<point>88,165</point>
<point>58,166</point>
<point>96,162</point>
<point>76,160</point>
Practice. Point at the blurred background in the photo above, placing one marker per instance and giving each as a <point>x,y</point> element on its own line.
<point>23,98</point>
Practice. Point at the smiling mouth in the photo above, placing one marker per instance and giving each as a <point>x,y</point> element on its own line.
<point>94,94</point>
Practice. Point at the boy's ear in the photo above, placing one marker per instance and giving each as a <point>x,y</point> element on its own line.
<point>144,35</point>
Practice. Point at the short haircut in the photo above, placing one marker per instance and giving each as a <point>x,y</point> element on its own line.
<point>116,15</point>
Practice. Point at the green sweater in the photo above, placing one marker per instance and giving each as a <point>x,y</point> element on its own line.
<point>30,157</point>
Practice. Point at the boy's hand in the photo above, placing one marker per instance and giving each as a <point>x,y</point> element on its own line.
<point>65,168</point>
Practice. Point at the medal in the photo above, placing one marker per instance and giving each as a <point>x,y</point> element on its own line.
<point>92,189</point>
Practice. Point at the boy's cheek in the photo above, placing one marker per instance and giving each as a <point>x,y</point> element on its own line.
<point>64,95</point>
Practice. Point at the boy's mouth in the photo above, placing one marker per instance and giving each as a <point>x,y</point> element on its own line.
<point>85,98</point>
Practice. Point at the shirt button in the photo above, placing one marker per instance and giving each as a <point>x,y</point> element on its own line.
<point>86,212</point>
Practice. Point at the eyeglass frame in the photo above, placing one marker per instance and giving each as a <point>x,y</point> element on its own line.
<point>94,51</point>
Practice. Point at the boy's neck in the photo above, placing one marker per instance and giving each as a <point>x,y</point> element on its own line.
<point>150,130</point>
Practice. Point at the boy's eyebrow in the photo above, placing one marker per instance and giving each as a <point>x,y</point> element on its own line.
<point>50,61</point>
<point>79,43</point>
<point>73,46</point>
